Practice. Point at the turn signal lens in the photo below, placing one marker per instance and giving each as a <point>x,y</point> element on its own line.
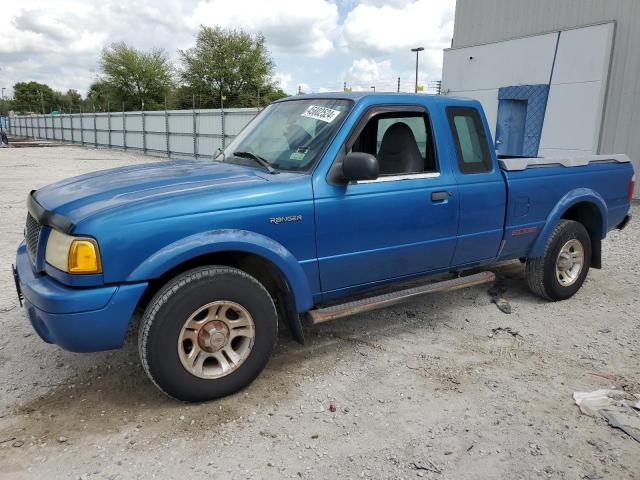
<point>84,257</point>
<point>632,184</point>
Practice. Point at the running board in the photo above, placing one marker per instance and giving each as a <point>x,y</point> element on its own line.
<point>380,301</point>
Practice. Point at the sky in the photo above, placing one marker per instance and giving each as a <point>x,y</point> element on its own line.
<point>316,44</point>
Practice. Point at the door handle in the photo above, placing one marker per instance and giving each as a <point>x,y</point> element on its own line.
<point>440,196</point>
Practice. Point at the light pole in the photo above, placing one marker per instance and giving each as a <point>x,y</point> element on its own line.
<point>417,50</point>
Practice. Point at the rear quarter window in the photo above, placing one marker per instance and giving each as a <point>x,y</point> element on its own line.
<point>470,141</point>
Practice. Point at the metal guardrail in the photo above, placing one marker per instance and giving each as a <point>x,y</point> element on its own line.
<point>174,133</point>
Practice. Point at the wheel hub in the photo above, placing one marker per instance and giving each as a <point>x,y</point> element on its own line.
<point>565,262</point>
<point>213,336</point>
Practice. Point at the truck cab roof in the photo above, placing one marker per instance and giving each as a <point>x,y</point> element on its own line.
<point>386,97</point>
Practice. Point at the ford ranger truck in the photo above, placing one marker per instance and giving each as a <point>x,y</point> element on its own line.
<point>323,206</point>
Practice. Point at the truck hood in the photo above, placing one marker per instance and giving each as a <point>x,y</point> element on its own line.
<point>80,197</point>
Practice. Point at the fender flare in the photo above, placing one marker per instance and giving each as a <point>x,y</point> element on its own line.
<point>572,198</point>
<point>214,241</point>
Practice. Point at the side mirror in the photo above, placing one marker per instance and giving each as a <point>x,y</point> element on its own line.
<point>360,166</point>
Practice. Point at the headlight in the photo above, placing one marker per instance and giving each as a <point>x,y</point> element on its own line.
<point>75,255</point>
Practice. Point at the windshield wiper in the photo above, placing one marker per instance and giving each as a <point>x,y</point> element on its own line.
<point>258,159</point>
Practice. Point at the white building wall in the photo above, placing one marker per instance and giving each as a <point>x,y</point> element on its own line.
<point>578,87</point>
<point>576,72</point>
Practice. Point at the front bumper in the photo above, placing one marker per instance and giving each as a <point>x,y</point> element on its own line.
<point>76,319</point>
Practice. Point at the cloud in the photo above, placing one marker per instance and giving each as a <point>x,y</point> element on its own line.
<point>58,42</point>
<point>377,28</point>
<point>366,72</point>
<point>316,43</point>
<point>283,80</point>
<point>382,3</point>
<point>288,25</point>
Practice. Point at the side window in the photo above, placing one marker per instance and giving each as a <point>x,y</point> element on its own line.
<point>470,140</point>
<point>401,141</point>
<point>417,126</point>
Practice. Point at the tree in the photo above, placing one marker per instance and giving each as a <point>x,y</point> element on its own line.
<point>228,64</point>
<point>136,77</point>
<point>271,95</point>
<point>5,106</point>
<point>69,102</point>
<point>102,97</point>
<point>33,97</point>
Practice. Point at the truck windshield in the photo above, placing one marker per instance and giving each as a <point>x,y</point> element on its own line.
<point>289,135</point>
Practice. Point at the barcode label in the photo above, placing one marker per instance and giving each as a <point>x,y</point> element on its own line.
<point>323,114</point>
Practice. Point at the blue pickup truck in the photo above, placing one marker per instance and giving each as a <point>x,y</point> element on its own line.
<point>323,206</point>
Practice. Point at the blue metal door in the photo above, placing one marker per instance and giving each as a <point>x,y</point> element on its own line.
<point>510,128</point>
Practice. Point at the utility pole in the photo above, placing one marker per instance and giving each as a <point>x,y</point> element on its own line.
<point>437,85</point>
<point>417,50</point>
<point>222,120</point>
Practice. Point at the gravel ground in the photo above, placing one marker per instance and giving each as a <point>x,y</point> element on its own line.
<point>447,387</point>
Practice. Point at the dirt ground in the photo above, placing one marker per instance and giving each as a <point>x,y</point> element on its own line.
<point>447,387</point>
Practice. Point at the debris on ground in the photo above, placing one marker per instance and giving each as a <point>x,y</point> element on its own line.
<point>608,376</point>
<point>495,331</point>
<point>621,410</point>
<point>497,292</point>
<point>413,363</point>
<point>425,465</point>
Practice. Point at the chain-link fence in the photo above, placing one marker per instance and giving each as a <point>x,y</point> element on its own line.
<point>195,133</point>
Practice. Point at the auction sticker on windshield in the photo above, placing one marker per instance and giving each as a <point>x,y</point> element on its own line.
<point>323,114</point>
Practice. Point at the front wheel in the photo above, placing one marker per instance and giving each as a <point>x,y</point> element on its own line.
<point>559,273</point>
<point>207,333</point>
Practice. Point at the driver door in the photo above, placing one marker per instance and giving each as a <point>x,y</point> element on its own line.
<point>403,223</point>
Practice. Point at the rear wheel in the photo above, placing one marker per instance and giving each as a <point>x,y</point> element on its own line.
<point>559,273</point>
<point>207,333</point>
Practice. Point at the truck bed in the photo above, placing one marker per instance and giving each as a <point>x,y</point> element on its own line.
<point>512,164</point>
<point>540,189</point>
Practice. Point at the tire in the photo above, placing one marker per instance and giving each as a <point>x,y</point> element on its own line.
<point>165,340</point>
<point>541,274</point>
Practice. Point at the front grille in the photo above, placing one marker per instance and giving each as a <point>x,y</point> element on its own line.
<point>32,236</point>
